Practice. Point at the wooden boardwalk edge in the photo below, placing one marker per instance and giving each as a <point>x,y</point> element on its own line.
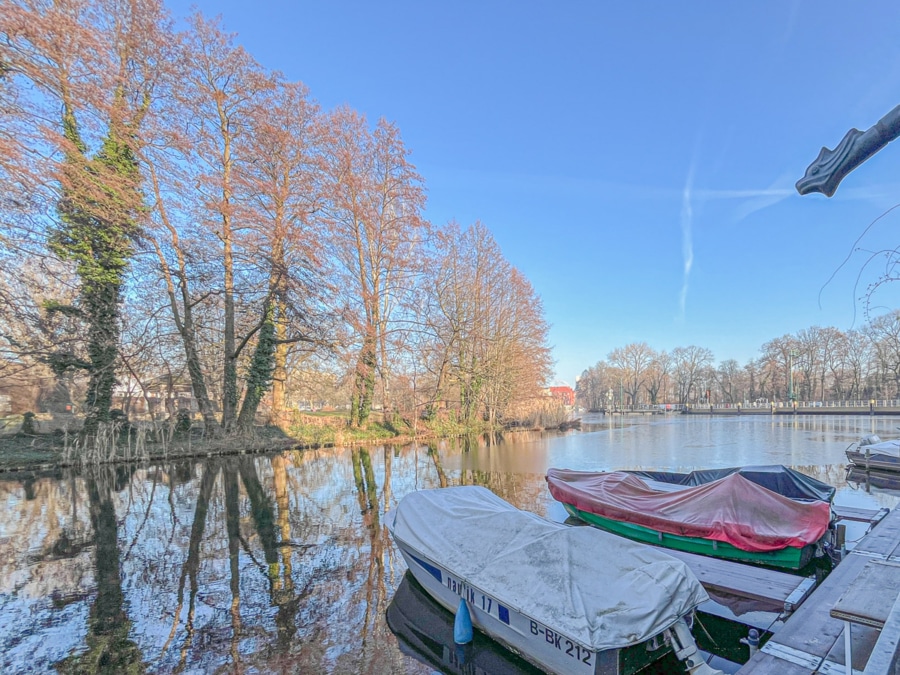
<point>811,634</point>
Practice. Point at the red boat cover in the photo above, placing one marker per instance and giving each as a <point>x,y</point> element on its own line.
<point>731,509</point>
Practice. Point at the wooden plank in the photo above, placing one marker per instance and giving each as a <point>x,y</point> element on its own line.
<point>870,596</point>
<point>884,539</point>
<point>884,657</point>
<point>856,514</point>
<point>748,581</point>
<point>775,661</point>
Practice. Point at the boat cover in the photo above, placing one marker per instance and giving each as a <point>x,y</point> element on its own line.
<point>600,590</point>
<point>880,447</point>
<point>731,509</point>
<point>775,477</point>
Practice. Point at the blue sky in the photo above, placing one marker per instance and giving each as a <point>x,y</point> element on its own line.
<point>635,160</point>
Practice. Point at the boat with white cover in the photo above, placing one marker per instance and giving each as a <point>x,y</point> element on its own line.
<point>870,452</point>
<point>568,599</point>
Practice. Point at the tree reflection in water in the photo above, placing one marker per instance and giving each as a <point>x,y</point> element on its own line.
<point>109,648</point>
<point>276,563</point>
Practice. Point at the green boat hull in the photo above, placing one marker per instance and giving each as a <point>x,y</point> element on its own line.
<point>790,557</point>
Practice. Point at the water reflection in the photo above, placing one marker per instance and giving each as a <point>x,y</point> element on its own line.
<point>109,646</point>
<point>282,563</point>
<point>424,630</point>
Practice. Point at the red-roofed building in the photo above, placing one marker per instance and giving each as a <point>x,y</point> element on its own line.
<point>564,394</point>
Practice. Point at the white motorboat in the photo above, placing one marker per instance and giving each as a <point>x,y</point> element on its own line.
<point>870,452</point>
<point>567,599</point>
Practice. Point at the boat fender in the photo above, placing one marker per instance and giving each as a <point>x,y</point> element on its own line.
<point>462,625</point>
<point>752,641</point>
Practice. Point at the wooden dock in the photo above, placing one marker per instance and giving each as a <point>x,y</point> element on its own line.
<point>782,591</point>
<point>810,641</point>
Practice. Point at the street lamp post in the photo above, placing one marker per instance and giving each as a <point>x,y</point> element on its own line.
<point>791,383</point>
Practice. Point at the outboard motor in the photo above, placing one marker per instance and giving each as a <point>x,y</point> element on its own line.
<point>686,650</point>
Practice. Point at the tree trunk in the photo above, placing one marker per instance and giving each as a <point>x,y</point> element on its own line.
<point>364,382</point>
<point>184,326</point>
<point>279,374</point>
<point>229,373</point>
<point>102,308</point>
<point>261,367</point>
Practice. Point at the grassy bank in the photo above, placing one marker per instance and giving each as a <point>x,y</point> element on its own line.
<point>53,443</point>
<point>50,441</point>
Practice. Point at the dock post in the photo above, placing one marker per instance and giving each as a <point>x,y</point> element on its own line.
<point>848,649</point>
<point>840,538</point>
<point>752,641</point>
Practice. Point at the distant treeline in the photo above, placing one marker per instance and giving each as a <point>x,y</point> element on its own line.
<point>816,364</point>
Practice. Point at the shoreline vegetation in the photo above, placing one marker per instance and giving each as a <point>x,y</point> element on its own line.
<point>42,442</point>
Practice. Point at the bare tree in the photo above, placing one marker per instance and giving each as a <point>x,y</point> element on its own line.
<point>727,375</point>
<point>658,376</point>
<point>488,332</point>
<point>885,334</point>
<point>282,184</point>
<point>373,206</point>
<point>633,361</point>
<point>221,86</point>
<point>688,364</point>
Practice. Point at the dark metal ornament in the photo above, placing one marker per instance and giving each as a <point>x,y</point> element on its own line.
<point>829,168</point>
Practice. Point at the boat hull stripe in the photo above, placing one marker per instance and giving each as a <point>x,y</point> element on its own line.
<point>428,567</point>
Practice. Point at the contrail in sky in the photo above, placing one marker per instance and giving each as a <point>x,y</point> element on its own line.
<point>687,244</point>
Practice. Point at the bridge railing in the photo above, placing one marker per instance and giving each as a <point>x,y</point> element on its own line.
<point>849,403</point>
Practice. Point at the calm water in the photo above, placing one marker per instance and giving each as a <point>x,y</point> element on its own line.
<point>281,563</point>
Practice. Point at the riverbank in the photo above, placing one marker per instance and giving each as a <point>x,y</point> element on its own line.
<point>22,452</point>
<point>54,446</point>
<point>52,441</point>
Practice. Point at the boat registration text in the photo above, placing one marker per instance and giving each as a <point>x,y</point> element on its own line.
<point>485,603</point>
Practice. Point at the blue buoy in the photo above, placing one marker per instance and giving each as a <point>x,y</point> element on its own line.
<point>462,625</point>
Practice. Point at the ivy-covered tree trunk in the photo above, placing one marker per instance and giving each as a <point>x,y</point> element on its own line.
<point>100,197</point>
<point>261,367</point>
<point>364,382</point>
<point>469,395</point>
<point>101,301</point>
